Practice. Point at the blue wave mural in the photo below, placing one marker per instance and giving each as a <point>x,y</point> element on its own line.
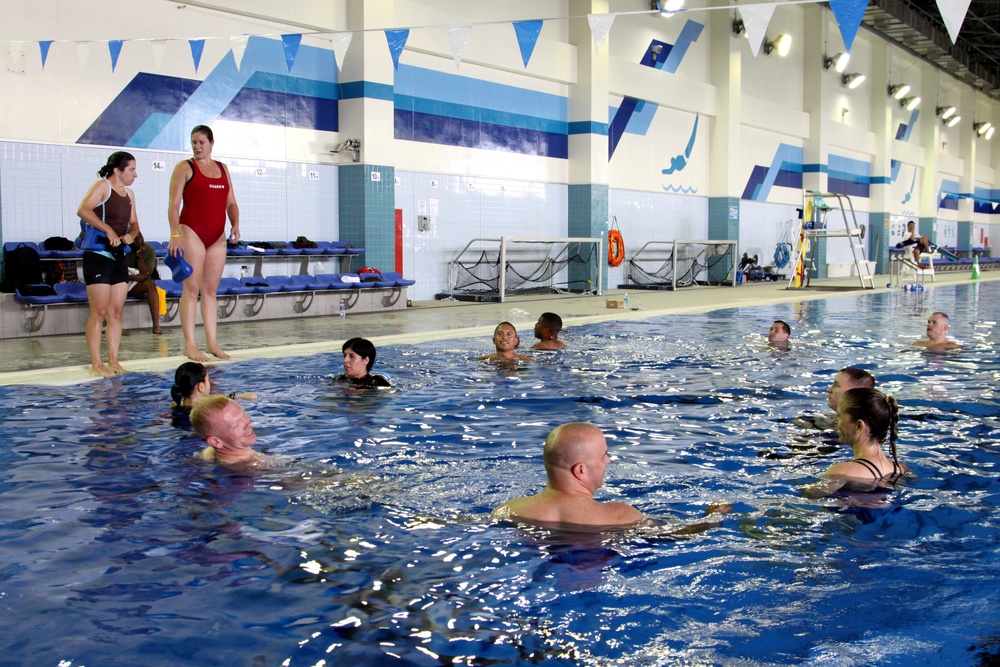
<point>844,175</point>
<point>155,111</point>
<point>440,108</point>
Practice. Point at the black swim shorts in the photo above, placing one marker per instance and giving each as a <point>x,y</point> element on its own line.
<point>101,270</point>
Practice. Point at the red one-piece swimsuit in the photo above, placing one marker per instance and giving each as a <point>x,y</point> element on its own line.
<point>204,204</point>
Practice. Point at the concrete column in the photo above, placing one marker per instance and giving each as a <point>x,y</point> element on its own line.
<point>930,139</point>
<point>879,206</point>
<point>818,99</point>
<point>725,73</point>
<point>367,188</point>
<point>588,140</point>
<point>967,184</point>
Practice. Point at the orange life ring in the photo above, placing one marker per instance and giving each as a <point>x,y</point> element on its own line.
<point>616,248</point>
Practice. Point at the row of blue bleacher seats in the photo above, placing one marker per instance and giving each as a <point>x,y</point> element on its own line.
<point>250,249</point>
<point>77,292</point>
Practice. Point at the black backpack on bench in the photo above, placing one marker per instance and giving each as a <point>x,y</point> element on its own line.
<point>21,266</point>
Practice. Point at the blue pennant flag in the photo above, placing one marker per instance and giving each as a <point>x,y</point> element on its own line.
<point>197,46</point>
<point>397,40</point>
<point>44,47</point>
<point>527,35</point>
<point>848,14</point>
<point>115,47</point>
<point>291,46</point>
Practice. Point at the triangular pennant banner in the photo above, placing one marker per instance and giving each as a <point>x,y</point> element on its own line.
<point>291,45</point>
<point>600,26</point>
<point>239,46</point>
<point>458,37</point>
<point>340,40</point>
<point>115,48</point>
<point>527,35</point>
<point>397,40</point>
<point>197,47</point>
<point>82,51</point>
<point>848,14</point>
<point>953,12</point>
<point>44,47</point>
<point>755,20</point>
<point>159,47</point>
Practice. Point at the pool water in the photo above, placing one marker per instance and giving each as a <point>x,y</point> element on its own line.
<point>372,544</point>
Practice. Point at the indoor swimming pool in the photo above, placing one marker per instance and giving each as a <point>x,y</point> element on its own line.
<point>371,543</point>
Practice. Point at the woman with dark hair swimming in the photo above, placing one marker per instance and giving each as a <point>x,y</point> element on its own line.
<point>865,418</point>
<point>109,207</point>
<point>201,196</point>
<point>359,357</point>
<point>191,382</point>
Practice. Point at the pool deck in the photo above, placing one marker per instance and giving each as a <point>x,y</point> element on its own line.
<point>59,360</point>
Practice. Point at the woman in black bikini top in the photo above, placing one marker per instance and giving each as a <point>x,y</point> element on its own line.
<point>865,419</point>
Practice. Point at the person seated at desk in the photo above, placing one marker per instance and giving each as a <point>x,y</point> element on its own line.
<point>921,242</point>
<point>547,330</point>
<point>142,278</point>
<point>191,382</point>
<point>506,341</point>
<point>865,418</point>
<point>226,427</point>
<point>937,334</point>
<point>359,357</point>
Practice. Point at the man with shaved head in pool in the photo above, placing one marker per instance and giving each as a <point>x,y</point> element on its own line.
<point>226,427</point>
<point>576,455</point>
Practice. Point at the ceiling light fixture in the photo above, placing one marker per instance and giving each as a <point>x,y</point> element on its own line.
<point>982,128</point>
<point>899,91</point>
<point>953,121</point>
<point>946,112</point>
<point>837,62</point>
<point>910,103</point>
<point>853,80</point>
<point>782,44</point>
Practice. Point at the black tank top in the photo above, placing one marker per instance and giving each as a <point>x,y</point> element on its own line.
<point>116,212</point>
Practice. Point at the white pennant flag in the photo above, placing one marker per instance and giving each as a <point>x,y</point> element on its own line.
<point>600,26</point>
<point>755,20</point>
<point>82,51</point>
<point>953,12</point>
<point>17,56</point>
<point>458,37</point>
<point>239,45</point>
<point>340,40</point>
<point>159,47</point>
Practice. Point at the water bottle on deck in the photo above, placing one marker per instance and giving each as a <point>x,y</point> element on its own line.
<point>243,272</point>
<point>343,309</point>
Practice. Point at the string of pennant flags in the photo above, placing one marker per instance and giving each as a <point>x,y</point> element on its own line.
<point>756,17</point>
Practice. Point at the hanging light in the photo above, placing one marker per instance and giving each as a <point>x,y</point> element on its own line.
<point>946,112</point>
<point>853,80</point>
<point>899,91</point>
<point>837,62</point>
<point>910,103</point>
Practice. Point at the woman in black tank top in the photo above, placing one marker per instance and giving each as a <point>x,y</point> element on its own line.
<point>109,207</point>
<point>866,418</point>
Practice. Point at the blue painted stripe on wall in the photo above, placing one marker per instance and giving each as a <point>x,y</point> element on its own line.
<point>619,123</point>
<point>355,90</point>
<point>848,187</point>
<point>290,84</point>
<point>145,95</point>
<point>689,35</point>
<point>267,107</point>
<point>418,82</point>
<point>588,127</point>
<point>414,126</point>
<point>466,112</point>
<point>149,129</point>
<point>849,167</point>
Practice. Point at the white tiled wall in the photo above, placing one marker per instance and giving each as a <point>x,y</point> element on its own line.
<point>763,226</point>
<point>648,216</point>
<point>468,208</point>
<point>41,186</point>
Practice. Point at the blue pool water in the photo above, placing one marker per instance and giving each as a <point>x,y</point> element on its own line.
<point>116,548</point>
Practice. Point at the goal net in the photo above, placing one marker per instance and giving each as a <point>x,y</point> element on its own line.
<point>494,269</point>
<point>673,264</point>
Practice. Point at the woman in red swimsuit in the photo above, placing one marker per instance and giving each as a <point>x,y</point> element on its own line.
<point>866,418</point>
<point>201,195</point>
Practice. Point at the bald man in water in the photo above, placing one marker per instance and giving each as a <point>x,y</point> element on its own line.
<point>576,456</point>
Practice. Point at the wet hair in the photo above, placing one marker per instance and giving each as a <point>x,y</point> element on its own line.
<point>205,411</point>
<point>497,328</point>
<point>859,377</point>
<point>878,410</point>
<point>186,378</point>
<point>784,326</point>
<point>551,321</point>
<point>362,347</point>
<point>206,130</point>
<point>118,160</point>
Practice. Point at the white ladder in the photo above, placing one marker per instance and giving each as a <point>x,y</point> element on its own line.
<point>813,225</point>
